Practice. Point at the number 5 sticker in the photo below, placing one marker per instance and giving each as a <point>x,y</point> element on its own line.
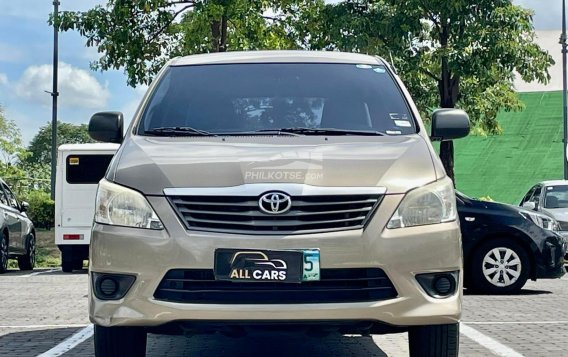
<point>311,265</point>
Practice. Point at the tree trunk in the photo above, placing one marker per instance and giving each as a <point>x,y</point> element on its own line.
<point>448,87</point>
<point>215,35</point>
<point>223,40</point>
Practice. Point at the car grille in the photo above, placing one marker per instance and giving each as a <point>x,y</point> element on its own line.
<point>308,214</point>
<point>336,286</point>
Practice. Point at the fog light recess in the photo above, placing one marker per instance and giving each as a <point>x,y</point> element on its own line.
<point>111,286</point>
<point>439,285</point>
<point>108,286</point>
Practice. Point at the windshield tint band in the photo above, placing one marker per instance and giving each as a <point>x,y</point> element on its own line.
<point>249,97</point>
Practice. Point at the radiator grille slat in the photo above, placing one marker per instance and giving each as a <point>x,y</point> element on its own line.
<point>308,214</point>
<point>336,285</point>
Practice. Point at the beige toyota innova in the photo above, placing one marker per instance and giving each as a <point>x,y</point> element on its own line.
<point>292,191</point>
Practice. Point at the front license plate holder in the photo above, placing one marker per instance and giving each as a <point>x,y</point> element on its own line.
<point>250,265</point>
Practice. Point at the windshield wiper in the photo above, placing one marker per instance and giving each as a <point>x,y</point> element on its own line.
<point>178,131</point>
<point>324,131</point>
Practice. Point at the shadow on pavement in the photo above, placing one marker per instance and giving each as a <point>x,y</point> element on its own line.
<point>32,342</point>
<point>42,272</point>
<point>266,345</point>
<point>527,292</point>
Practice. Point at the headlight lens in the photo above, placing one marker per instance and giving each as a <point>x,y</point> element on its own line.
<point>121,206</point>
<point>541,220</point>
<point>430,204</point>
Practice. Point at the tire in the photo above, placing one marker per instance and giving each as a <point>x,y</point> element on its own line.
<point>434,341</point>
<point>505,275</point>
<point>3,253</point>
<point>120,341</point>
<point>27,261</point>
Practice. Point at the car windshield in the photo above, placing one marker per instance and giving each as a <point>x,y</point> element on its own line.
<point>261,99</point>
<point>556,196</point>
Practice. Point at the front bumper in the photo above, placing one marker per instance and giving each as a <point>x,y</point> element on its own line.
<point>400,253</point>
<point>550,259</point>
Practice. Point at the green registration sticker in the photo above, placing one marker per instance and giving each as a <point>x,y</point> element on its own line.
<point>311,265</point>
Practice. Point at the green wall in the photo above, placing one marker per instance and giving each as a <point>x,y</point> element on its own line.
<point>505,166</point>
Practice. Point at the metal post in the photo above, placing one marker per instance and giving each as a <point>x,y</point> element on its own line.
<point>54,95</point>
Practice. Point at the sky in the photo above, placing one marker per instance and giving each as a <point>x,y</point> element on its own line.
<point>26,44</point>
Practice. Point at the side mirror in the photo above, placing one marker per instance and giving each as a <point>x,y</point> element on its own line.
<point>530,205</point>
<point>107,127</point>
<point>24,206</point>
<point>449,124</point>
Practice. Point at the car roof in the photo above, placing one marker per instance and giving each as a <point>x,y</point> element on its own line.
<point>89,147</point>
<point>554,182</point>
<point>276,57</point>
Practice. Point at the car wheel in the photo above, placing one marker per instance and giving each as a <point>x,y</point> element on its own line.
<point>3,253</point>
<point>120,341</point>
<point>27,261</point>
<point>500,266</point>
<point>434,341</point>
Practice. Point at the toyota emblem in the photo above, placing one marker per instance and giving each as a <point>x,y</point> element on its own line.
<point>275,203</point>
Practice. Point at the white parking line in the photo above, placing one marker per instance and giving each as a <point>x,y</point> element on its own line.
<point>561,322</point>
<point>41,326</point>
<point>489,343</point>
<point>69,343</point>
<point>39,273</point>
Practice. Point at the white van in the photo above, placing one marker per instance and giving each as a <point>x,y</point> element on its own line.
<point>80,167</point>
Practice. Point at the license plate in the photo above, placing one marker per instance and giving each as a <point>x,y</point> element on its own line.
<point>286,266</point>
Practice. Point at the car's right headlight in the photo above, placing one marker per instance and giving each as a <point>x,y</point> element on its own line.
<point>541,220</point>
<point>429,204</point>
<point>120,206</point>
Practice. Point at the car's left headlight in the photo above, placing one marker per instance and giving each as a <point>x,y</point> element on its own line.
<point>541,220</point>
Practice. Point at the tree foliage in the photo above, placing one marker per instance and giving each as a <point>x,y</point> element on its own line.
<point>450,53</point>
<point>12,152</point>
<point>40,146</point>
<point>140,35</point>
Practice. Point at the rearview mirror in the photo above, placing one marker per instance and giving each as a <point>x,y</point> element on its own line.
<point>449,124</point>
<point>107,127</point>
<point>24,206</point>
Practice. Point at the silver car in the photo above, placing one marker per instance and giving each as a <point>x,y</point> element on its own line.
<point>17,234</point>
<point>280,190</point>
<point>550,198</point>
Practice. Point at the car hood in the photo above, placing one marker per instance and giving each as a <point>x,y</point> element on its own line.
<point>560,214</point>
<point>151,164</point>
<point>502,208</point>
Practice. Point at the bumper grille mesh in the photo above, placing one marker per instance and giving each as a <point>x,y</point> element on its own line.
<point>308,214</point>
<point>336,286</point>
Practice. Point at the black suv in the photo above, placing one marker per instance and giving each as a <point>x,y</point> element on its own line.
<point>17,234</point>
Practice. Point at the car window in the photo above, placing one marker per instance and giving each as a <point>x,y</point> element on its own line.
<point>3,198</point>
<point>556,196</point>
<point>263,96</point>
<point>528,195</point>
<point>86,169</point>
<point>12,202</point>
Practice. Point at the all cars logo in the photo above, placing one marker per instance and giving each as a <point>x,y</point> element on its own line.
<point>257,266</point>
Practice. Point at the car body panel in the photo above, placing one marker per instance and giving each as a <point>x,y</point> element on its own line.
<point>396,163</point>
<point>16,222</point>
<point>481,220</point>
<point>313,160</point>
